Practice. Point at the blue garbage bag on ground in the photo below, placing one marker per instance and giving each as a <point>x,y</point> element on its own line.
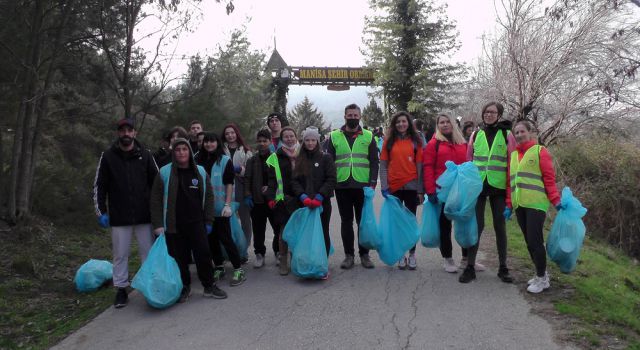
<point>159,277</point>
<point>398,229</point>
<point>567,233</point>
<point>430,225</point>
<point>304,236</point>
<point>237,233</point>
<point>93,274</point>
<point>460,202</point>
<point>369,234</point>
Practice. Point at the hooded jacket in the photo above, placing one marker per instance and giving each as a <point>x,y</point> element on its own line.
<point>157,194</point>
<point>124,180</point>
<point>322,175</point>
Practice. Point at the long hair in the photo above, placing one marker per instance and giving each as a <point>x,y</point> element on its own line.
<point>456,135</point>
<point>203,155</point>
<point>239,138</point>
<point>392,133</point>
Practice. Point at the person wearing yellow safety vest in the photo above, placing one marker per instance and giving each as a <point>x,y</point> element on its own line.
<point>355,153</point>
<point>489,148</point>
<point>531,188</point>
<point>279,194</point>
<point>220,168</point>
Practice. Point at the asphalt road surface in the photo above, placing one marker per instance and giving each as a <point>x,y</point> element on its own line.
<point>381,308</point>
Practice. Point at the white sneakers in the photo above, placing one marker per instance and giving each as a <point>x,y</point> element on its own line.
<point>412,262</point>
<point>449,265</point>
<point>259,261</point>
<point>478,266</point>
<point>538,284</point>
<point>402,264</point>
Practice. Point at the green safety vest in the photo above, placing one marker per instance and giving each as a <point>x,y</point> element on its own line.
<point>273,162</point>
<point>492,163</point>
<point>352,162</point>
<point>527,187</point>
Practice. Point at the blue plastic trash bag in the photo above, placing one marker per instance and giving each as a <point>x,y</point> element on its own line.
<point>466,232</point>
<point>445,180</point>
<point>236,231</point>
<point>369,234</point>
<point>93,274</point>
<point>303,233</point>
<point>567,233</point>
<point>159,277</point>
<point>430,226</point>
<point>398,229</point>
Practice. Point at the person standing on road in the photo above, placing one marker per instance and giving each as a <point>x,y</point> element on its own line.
<point>182,208</point>
<point>123,179</point>
<point>355,153</point>
<point>446,145</point>
<point>195,128</point>
<point>314,179</point>
<point>280,195</point>
<point>220,169</point>
<point>531,189</point>
<point>239,152</point>
<point>401,169</point>
<point>274,123</point>
<point>489,148</point>
<point>256,182</point>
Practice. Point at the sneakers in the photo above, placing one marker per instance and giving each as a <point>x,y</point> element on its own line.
<point>539,284</point>
<point>259,261</point>
<point>468,275</point>
<point>347,263</point>
<point>244,260</point>
<point>121,298</point>
<point>412,263</point>
<point>366,261</point>
<point>214,292</point>
<point>503,274</point>
<point>325,277</point>
<point>449,265</point>
<point>402,264</point>
<point>479,267</point>
<point>184,294</point>
<point>238,277</point>
<point>546,275</point>
<point>218,273</point>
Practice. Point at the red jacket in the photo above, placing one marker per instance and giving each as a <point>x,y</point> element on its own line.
<point>546,167</point>
<point>446,151</point>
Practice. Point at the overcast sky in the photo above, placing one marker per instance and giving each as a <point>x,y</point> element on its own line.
<point>318,33</point>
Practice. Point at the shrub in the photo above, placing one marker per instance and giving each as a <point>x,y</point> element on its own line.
<point>604,173</point>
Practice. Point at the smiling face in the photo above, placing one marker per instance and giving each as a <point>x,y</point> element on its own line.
<point>522,134</point>
<point>230,135</point>
<point>402,124</point>
<point>490,115</point>
<point>288,138</point>
<point>210,146</point>
<point>310,143</point>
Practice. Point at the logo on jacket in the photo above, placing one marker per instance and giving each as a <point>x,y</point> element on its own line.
<point>194,182</point>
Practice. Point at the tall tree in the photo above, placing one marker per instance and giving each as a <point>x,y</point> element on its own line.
<point>372,114</point>
<point>304,115</point>
<point>405,42</point>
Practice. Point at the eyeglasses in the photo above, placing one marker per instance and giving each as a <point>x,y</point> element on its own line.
<point>490,113</point>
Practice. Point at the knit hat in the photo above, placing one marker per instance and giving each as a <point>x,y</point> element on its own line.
<point>274,115</point>
<point>311,133</point>
<point>181,140</point>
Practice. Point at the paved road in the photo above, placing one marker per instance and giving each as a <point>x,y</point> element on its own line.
<point>382,308</point>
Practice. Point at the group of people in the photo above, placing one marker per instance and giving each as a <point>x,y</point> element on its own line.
<point>190,189</point>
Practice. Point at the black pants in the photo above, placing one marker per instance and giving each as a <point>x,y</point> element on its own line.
<point>259,215</point>
<point>531,223</point>
<point>222,235</point>
<point>410,200</point>
<point>497,204</point>
<point>446,244</point>
<point>350,200</point>
<point>325,218</point>
<point>191,237</point>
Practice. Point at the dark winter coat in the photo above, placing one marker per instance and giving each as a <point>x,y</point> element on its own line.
<point>322,176</point>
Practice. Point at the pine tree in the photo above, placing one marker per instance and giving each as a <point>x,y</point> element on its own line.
<point>404,42</point>
<point>304,114</point>
<point>372,114</point>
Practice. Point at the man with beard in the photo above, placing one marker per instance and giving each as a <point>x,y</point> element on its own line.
<point>355,153</point>
<point>124,178</point>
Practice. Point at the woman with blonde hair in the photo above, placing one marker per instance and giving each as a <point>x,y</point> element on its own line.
<point>448,144</point>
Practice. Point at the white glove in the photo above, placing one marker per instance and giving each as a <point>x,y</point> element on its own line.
<point>226,211</point>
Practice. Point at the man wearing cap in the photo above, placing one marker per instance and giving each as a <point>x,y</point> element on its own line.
<point>274,122</point>
<point>124,178</point>
<point>356,156</point>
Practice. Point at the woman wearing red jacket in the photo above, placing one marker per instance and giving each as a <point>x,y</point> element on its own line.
<point>447,144</point>
<point>532,187</point>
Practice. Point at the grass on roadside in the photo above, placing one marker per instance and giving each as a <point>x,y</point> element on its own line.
<point>39,305</point>
<point>603,293</point>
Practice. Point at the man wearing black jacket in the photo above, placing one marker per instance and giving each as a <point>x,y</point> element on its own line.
<point>124,177</point>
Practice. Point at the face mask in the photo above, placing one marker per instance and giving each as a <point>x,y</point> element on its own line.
<point>125,141</point>
<point>353,123</point>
